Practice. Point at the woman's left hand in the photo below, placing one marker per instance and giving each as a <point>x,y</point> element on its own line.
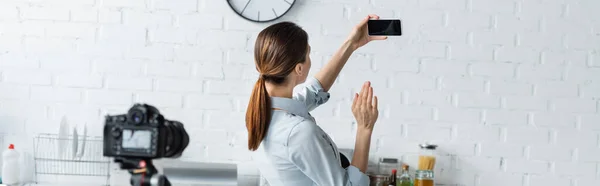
<point>360,33</point>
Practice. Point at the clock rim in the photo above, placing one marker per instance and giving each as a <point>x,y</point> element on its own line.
<point>265,21</point>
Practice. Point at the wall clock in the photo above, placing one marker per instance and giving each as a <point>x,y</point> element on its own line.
<point>261,10</point>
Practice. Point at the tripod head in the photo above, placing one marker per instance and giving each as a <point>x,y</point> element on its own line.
<point>143,172</point>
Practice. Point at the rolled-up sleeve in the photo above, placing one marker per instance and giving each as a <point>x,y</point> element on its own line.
<point>311,93</point>
<point>315,157</point>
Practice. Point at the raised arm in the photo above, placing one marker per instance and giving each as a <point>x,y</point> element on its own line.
<point>331,70</point>
<point>357,38</point>
<point>366,113</point>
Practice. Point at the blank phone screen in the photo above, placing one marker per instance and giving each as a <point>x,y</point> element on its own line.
<point>384,27</point>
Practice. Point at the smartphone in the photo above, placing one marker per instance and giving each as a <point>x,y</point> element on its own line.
<point>384,27</point>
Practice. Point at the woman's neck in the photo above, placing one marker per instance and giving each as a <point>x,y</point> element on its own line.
<point>284,90</point>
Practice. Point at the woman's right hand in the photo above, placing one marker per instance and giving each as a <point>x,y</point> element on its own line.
<point>360,33</point>
<point>364,108</point>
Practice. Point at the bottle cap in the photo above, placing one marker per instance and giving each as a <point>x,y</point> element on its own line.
<point>405,167</point>
<point>11,146</point>
<point>394,171</point>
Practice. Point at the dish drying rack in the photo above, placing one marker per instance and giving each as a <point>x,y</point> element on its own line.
<point>56,156</point>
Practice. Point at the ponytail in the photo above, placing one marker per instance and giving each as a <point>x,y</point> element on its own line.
<point>278,49</point>
<point>258,114</point>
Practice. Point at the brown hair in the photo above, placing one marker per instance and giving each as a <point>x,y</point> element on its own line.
<point>277,51</point>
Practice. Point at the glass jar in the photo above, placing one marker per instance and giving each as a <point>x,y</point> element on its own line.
<point>424,178</point>
<point>427,156</point>
<point>386,165</point>
<point>379,179</point>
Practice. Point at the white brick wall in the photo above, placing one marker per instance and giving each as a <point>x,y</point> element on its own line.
<point>509,89</point>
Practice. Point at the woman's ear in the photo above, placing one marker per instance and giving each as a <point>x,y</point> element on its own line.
<point>299,69</point>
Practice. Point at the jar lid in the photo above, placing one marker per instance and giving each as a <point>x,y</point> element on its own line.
<point>428,146</point>
<point>388,160</point>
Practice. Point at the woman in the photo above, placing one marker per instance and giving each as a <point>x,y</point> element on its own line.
<point>290,149</point>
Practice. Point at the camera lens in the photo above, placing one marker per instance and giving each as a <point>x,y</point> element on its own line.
<point>177,139</point>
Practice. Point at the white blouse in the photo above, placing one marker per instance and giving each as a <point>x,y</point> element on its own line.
<point>296,151</point>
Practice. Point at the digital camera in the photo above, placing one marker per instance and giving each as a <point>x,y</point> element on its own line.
<point>143,133</point>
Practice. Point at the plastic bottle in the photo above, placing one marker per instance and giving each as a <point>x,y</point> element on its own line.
<point>10,166</point>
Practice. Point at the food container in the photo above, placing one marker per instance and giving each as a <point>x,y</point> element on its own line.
<point>386,165</point>
<point>379,179</point>
<point>424,178</point>
<point>427,158</point>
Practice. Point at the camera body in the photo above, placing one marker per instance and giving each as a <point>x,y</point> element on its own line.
<point>143,133</point>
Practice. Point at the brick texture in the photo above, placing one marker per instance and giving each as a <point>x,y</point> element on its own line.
<point>510,89</point>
